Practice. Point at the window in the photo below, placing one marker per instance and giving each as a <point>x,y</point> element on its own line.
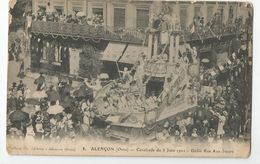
<point>59,9</point>
<point>119,18</point>
<point>197,11</point>
<point>51,51</point>
<point>183,17</point>
<point>209,13</point>
<point>97,11</point>
<point>142,18</point>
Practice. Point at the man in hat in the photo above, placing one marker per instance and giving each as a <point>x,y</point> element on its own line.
<point>81,92</point>
<point>21,86</point>
<point>53,95</point>
<point>40,82</point>
<point>20,102</point>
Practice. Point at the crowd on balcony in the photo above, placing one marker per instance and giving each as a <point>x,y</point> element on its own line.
<point>76,18</point>
<point>95,24</point>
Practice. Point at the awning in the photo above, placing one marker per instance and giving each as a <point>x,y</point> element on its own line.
<point>113,51</point>
<point>132,54</point>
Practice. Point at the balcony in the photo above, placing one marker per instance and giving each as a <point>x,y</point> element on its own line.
<point>86,32</point>
<point>216,31</point>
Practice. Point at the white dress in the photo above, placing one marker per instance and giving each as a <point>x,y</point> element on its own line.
<point>221,123</point>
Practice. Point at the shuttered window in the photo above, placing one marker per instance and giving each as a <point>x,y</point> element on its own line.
<point>183,17</point>
<point>142,18</point>
<point>119,18</point>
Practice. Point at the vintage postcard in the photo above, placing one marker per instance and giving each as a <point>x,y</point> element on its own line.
<point>130,78</point>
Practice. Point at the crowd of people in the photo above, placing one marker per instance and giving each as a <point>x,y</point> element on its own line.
<point>61,111</point>
<point>76,18</point>
<point>222,114</point>
<point>55,113</point>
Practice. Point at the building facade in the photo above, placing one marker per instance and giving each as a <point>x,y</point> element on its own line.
<point>126,24</point>
<point>132,14</point>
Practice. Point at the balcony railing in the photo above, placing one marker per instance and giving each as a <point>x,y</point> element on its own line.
<point>121,35</point>
<point>87,31</point>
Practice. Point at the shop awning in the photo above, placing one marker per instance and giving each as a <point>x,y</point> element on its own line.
<point>132,53</point>
<point>113,52</point>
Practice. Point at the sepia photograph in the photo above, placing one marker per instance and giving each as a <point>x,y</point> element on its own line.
<point>129,78</point>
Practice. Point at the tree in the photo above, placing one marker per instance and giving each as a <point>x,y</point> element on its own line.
<point>90,64</point>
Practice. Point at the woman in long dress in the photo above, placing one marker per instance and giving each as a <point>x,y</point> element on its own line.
<point>221,123</point>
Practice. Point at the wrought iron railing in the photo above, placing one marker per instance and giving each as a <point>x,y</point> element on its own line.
<point>136,36</point>
<point>87,31</point>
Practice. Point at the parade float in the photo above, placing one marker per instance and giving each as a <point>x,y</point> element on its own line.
<point>163,54</point>
<point>159,90</point>
<point>169,68</point>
